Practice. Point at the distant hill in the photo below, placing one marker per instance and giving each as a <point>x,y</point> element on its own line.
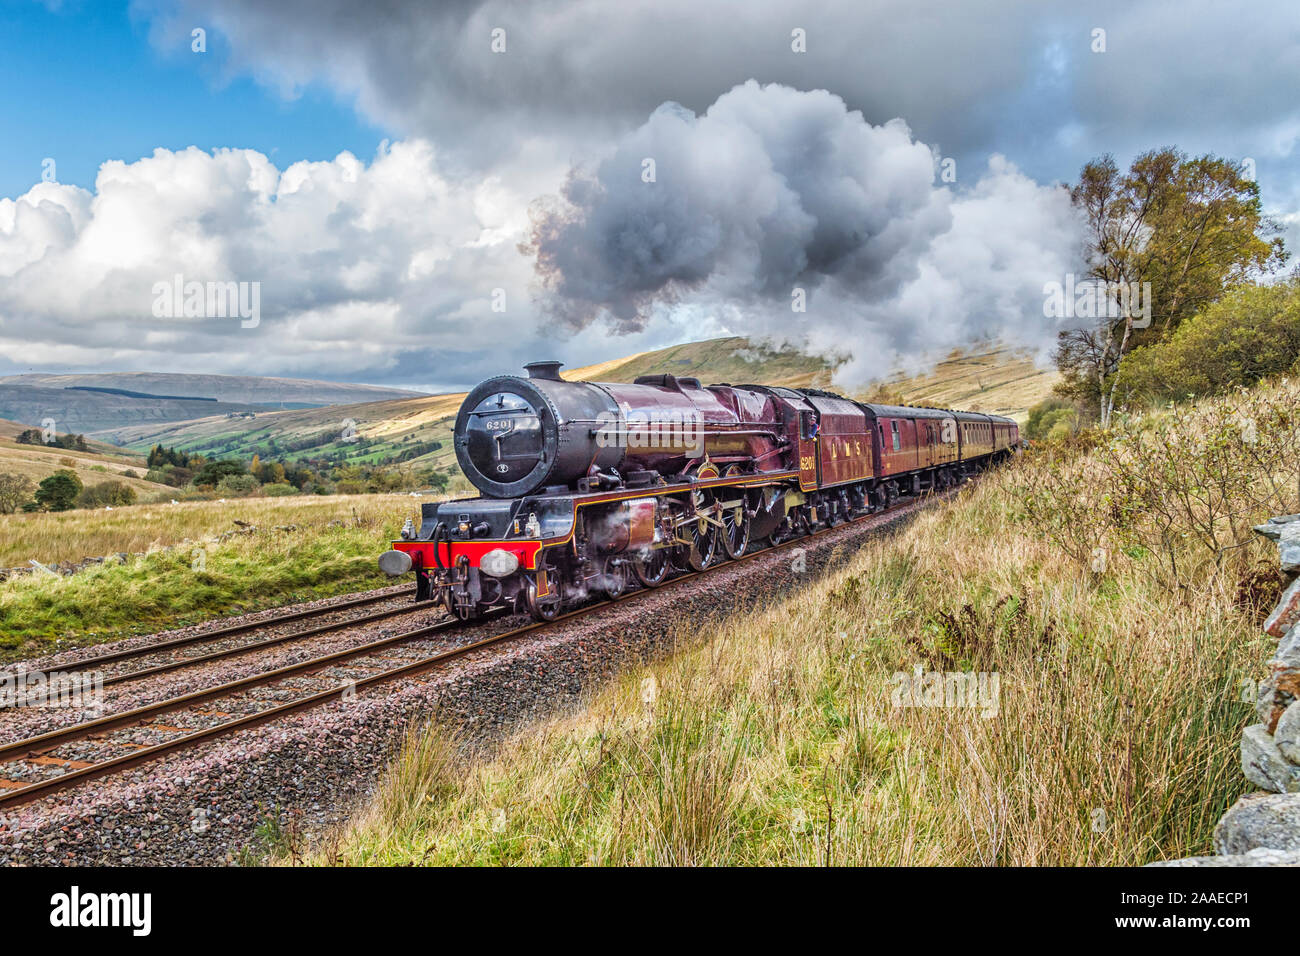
<point>237,389</point>
<point>84,403</point>
<point>733,360</point>
<point>997,380</point>
<point>1001,381</point>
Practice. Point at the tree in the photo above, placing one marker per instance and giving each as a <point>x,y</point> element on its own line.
<point>15,491</point>
<point>59,491</point>
<point>30,436</point>
<point>1191,227</point>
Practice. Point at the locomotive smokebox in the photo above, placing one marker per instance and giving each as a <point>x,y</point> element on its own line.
<point>514,436</point>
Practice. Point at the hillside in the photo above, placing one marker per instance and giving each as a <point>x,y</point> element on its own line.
<point>78,411</point>
<point>1002,381</point>
<point>102,463</point>
<point>101,403</point>
<point>733,360</point>
<point>998,380</point>
<point>237,389</point>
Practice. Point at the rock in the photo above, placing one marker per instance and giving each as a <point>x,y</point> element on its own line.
<point>1286,735</point>
<point>1278,691</point>
<point>1270,820</point>
<point>1272,528</point>
<point>1262,857</point>
<point>1288,548</point>
<point>1264,764</point>
<point>1287,613</point>
<point>1287,656</point>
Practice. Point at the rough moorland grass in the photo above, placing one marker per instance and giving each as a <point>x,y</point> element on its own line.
<point>50,537</point>
<point>197,564</point>
<point>772,738</point>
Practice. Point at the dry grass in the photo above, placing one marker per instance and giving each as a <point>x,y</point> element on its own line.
<point>772,738</point>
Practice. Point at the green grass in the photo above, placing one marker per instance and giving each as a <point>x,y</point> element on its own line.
<point>326,552</point>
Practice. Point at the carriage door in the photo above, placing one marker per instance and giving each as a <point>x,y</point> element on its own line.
<point>810,462</point>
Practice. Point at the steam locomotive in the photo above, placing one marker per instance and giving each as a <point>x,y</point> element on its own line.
<point>587,486</point>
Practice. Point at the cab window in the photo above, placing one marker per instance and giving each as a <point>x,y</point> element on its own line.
<point>807,425</point>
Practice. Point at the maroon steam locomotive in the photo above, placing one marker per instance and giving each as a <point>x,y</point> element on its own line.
<point>586,485</point>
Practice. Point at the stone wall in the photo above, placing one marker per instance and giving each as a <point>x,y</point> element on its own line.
<point>1263,828</point>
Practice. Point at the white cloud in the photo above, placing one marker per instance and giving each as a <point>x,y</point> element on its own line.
<point>357,262</point>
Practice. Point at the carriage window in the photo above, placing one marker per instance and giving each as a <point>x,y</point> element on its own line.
<point>894,427</point>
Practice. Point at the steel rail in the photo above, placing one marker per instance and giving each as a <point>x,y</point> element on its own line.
<point>213,635</point>
<point>259,645</point>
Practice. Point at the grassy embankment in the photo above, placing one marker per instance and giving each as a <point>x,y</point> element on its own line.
<point>196,563</point>
<point>1113,586</point>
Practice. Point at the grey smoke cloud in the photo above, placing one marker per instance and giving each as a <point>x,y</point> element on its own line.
<point>1016,77</point>
<point>774,193</point>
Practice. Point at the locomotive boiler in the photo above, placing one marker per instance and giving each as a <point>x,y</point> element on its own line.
<point>587,486</point>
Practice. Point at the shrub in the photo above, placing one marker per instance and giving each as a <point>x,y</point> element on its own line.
<point>1249,335</point>
<point>1053,419</point>
<point>279,489</point>
<point>108,493</point>
<point>172,475</point>
<point>1179,488</point>
<point>15,491</point>
<point>238,485</point>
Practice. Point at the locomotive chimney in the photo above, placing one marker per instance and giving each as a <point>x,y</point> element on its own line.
<point>545,370</point>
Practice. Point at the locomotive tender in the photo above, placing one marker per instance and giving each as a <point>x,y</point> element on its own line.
<point>586,485</point>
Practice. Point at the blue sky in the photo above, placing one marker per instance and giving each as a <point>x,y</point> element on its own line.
<point>82,84</point>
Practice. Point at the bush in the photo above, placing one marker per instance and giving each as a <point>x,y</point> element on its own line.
<point>1053,418</point>
<point>15,491</point>
<point>1251,334</point>
<point>238,485</point>
<point>1176,491</point>
<point>107,494</point>
<point>279,489</point>
<point>172,475</point>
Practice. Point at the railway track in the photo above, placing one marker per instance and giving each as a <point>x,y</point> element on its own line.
<point>227,708</point>
<point>225,633</point>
